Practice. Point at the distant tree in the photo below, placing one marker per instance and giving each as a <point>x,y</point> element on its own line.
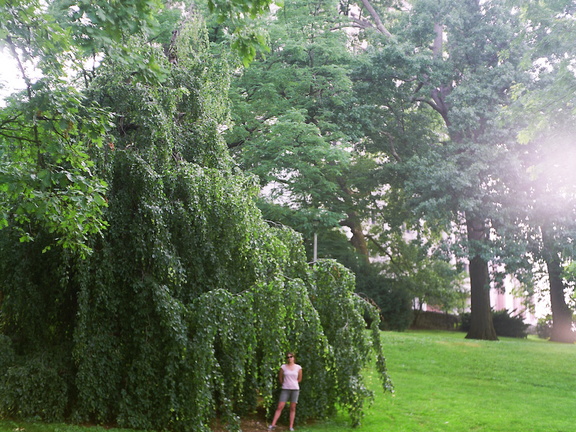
<point>312,137</point>
<point>391,296</point>
<point>289,112</point>
<point>543,195</point>
<point>461,59</point>
<point>542,188</point>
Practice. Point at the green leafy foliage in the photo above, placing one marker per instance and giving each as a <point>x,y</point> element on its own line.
<point>47,131</point>
<point>287,113</point>
<point>33,390</point>
<point>509,325</point>
<point>336,303</point>
<point>238,18</point>
<point>46,173</point>
<point>184,309</point>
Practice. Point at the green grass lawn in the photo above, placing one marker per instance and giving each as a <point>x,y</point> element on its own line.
<point>447,383</point>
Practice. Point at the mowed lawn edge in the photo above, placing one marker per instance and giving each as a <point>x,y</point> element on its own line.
<point>447,383</point>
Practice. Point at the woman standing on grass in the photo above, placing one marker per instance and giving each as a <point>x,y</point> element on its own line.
<point>290,375</point>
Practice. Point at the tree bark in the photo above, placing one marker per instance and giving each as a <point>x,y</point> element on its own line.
<point>481,325</point>
<point>354,222</point>
<point>358,239</point>
<point>561,313</point>
<point>376,17</point>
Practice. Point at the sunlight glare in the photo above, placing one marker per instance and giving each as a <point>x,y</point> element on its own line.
<point>10,78</point>
<point>555,171</point>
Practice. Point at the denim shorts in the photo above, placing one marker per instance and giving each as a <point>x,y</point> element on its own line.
<point>289,395</point>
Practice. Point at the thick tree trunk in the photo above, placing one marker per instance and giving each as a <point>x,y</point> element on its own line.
<point>561,313</point>
<point>354,222</point>
<point>358,240</point>
<point>481,325</point>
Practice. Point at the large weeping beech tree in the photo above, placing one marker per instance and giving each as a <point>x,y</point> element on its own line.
<point>183,310</point>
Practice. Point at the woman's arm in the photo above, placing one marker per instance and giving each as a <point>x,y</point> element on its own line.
<point>300,375</point>
<point>281,376</point>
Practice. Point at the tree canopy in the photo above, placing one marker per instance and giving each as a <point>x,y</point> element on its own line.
<point>181,309</point>
<point>146,281</point>
<point>435,127</point>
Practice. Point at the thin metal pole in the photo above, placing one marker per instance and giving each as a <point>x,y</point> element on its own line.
<point>315,256</point>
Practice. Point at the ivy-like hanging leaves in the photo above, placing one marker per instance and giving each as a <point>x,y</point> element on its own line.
<point>189,300</point>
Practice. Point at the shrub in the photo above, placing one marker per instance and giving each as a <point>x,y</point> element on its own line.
<point>509,326</point>
<point>505,324</point>
<point>393,300</point>
<point>33,390</point>
<point>544,327</point>
<point>465,321</point>
<point>434,321</point>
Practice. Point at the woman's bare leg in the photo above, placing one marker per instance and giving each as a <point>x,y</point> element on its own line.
<point>278,412</point>
<point>292,414</point>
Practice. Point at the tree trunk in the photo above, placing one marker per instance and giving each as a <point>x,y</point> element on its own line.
<point>358,239</point>
<point>481,325</point>
<point>561,313</point>
<point>354,222</point>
